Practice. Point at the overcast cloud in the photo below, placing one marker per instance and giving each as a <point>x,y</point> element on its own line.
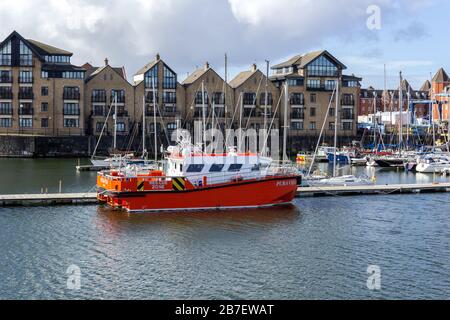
<point>189,32</point>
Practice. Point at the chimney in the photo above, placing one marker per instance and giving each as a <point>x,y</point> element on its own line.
<point>106,61</point>
<point>158,57</point>
<point>254,67</point>
<point>206,65</point>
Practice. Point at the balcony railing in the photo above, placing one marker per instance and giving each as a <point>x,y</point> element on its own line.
<point>98,99</point>
<point>26,95</point>
<point>347,115</point>
<point>295,102</point>
<point>348,102</point>
<point>26,111</point>
<point>8,79</point>
<point>321,87</point>
<point>6,95</point>
<point>71,96</point>
<point>298,115</point>
<point>6,112</point>
<point>26,79</point>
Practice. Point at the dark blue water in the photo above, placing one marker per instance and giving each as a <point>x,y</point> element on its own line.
<point>317,248</point>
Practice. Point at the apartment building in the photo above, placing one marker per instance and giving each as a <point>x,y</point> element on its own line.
<point>158,93</point>
<point>249,93</point>
<point>311,80</point>
<point>107,89</point>
<point>440,92</point>
<point>40,90</point>
<point>218,97</point>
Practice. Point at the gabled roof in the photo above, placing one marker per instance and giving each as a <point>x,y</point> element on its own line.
<point>194,76</point>
<point>441,76</point>
<point>406,86</point>
<point>48,49</point>
<point>241,78</point>
<point>93,71</point>
<point>426,86</point>
<point>38,53</point>
<point>303,60</point>
<point>147,67</point>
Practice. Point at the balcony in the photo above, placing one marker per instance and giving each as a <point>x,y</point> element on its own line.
<point>6,95</point>
<point>71,96</point>
<point>348,102</point>
<point>6,112</point>
<point>322,87</point>
<point>297,103</point>
<point>98,99</point>
<point>6,79</point>
<point>298,115</point>
<point>26,111</point>
<point>26,95</point>
<point>120,99</point>
<point>346,115</point>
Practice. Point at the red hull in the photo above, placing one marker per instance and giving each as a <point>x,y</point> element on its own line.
<point>243,194</point>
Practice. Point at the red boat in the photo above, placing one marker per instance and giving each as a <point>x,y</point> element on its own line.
<point>192,180</point>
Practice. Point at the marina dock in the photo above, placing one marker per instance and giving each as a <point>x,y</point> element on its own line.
<point>90,168</point>
<point>48,199</point>
<point>91,198</point>
<point>372,190</point>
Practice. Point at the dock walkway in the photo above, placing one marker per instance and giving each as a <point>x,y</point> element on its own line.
<point>91,198</point>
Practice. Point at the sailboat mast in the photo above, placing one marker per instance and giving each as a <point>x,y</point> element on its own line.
<point>375,122</point>
<point>204,116</point>
<point>144,150</point>
<point>286,96</point>
<point>400,123</point>
<point>154,117</point>
<point>265,107</point>
<point>115,122</point>
<point>225,92</point>
<point>336,128</point>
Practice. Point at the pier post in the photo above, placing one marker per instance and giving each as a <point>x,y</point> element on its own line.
<point>60,186</point>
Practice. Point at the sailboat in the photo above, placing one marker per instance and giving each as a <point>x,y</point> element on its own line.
<point>335,180</point>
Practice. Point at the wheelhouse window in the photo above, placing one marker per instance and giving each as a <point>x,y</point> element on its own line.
<point>5,54</point>
<point>193,168</point>
<point>170,79</point>
<point>322,67</point>
<point>235,167</point>
<point>216,168</point>
<point>150,76</point>
<point>26,57</point>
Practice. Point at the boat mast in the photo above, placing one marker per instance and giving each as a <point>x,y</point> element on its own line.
<point>154,117</point>
<point>115,122</point>
<point>336,128</point>
<point>375,122</point>
<point>286,93</point>
<point>408,116</point>
<point>225,92</point>
<point>400,123</point>
<point>204,116</point>
<point>144,150</point>
<point>265,107</point>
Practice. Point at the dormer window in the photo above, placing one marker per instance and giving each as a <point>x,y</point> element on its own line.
<point>57,59</point>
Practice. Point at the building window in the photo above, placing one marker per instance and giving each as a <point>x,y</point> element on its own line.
<point>26,122</point>
<point>331,112</point>
<point>26,109</point>
<point>312,112</point>
<point>57,59</point>
<point>297,99</point>
<point>331,126</point>
<point>5,122</point>
<point>120,94</point>
<point>350,84</point>
<point>249,98</point>
<point>25,77</point>
<point>172,126</point>
<point>44,123</point>
<point>262,99</point>
<point>313,84</point>
<point>198,98</point>
<point>73,74</point>
<point>71,109</point>
<point>313,98</point>
<point>150,76</point>
<point>71,123</point>
<point>330,85</point>
<point>348,100</point>
<point>71,93</point>
<point>26,93</point>
<point>218,98</point>
<point>312,126</point>
<point>297,125</point>
<point>26,57</point>
<point>5,54</point>
<point>6,93</point>
<point>98,111</point>
<point>6,108</point>
<point>322,67</point>
<point>120,127</point>
<point>169,97</point>
<point>170,79</point>
<point>347,126</point>
<point>44,106</point>
<point>5,76</point>
<point>44,91</point>
<point>98,96</point>
<point>295,82</point>
<point>99,126</point>
<point>44,74</point>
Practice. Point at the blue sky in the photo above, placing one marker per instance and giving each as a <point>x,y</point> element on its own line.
<point>413,37</point>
